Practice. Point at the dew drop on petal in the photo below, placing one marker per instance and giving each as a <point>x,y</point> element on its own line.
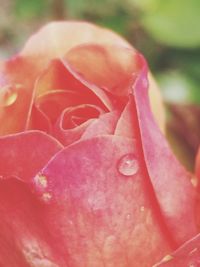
<point>11,99</point>
<point>128,165</point>
<point>8,95</point>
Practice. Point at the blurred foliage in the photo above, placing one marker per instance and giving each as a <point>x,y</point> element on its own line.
<point>172,22</point>
<point>29,9</point>
<point>166,32</point>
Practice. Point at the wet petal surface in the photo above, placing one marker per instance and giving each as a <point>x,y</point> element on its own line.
<point>102,216</point>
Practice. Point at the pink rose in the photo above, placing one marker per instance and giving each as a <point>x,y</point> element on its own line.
<point>87,177</point>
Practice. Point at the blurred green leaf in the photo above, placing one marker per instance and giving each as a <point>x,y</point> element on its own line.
<point>172,22</point>
<point>189,61</point>
<point>108,13</point>
<point>115,23</point>
<point>30,9</point>
<point>75,8</point>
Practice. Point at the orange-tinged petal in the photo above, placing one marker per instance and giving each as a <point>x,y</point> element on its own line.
<point>110,67</point>
<point>17,78</point>
<point>54,102</point>
<point>114,68</point>
<point>15,103</point>
<point>56,38</point>
<point>58,76</point>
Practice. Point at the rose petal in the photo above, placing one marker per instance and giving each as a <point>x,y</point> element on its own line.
<point>98,221</point>
<point>30,62</point>
<point>108,102</point>
<point>16,93</point>
<point>75,116</point>
<point>15,102</point>
<point>127,123</point>
<point>54,102</point>
<point>171,182</point>
<point>19,74</point>
<point>59,76</point>
<point>67,131</point>
<point>56,38</point>
<point>18,70</point>
<point>39,121</point>
<point>103,215</point>
<point>24,241</point>
<point>110,67</point>
<point>105,124</point>
<point>24,154</point>
<point>188,255</point>
<point>29,65</point>
<point>68,137</point>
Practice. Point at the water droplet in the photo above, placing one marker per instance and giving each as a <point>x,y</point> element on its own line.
<point>11,99</point>
<point>128,165</point>
<point>41,180</point>
<point>8,95</point>
<point>46,196</point>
